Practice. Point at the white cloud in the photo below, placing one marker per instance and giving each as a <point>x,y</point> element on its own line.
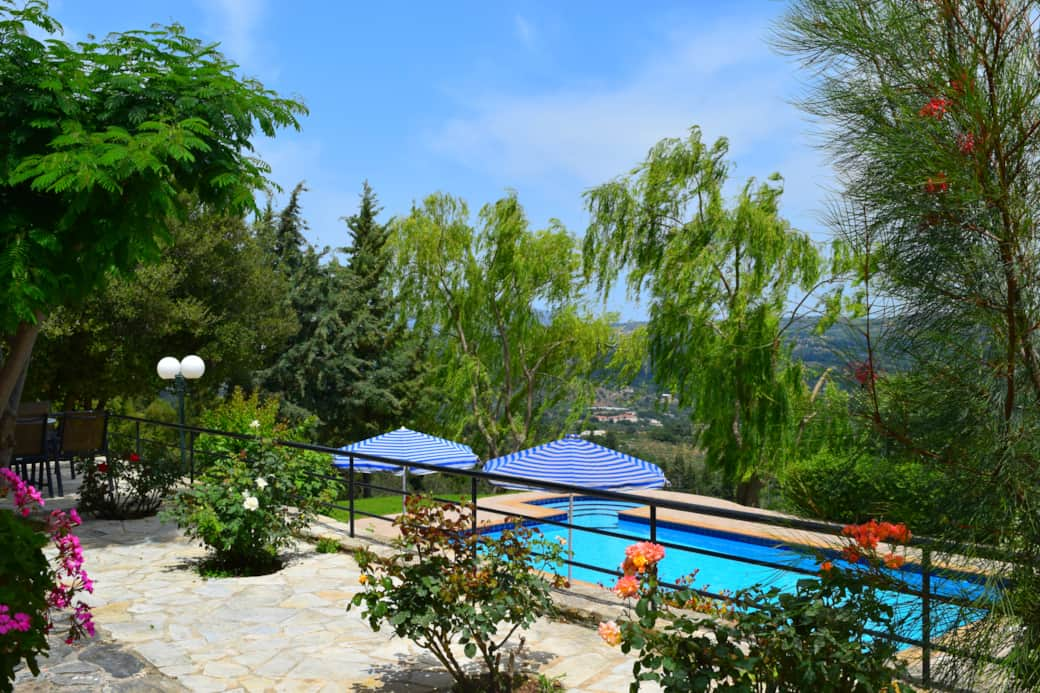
<point>722,78</point>
<point>235,24</point>
<point>525,31</point>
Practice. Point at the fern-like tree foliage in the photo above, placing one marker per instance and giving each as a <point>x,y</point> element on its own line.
<point>718,281</point>
<point>932,113</point>
<point>97,140</point>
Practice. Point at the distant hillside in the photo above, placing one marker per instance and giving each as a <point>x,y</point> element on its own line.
<point>836,348</point>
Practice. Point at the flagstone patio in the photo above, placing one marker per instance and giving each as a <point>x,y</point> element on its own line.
<point>288,631</point>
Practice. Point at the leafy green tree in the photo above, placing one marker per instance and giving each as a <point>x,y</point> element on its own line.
<point>504,313</point>
<point>98,139</point>
<point>718,282</point>
<point>934,110</point>
<point>211,293</point>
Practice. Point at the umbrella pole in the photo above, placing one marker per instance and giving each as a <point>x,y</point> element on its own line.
<point>570,535</point>
<point>404,490</point>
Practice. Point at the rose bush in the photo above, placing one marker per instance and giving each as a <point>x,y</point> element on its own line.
<point>812,639</point>
<point>445,584</point>
<point>127,486</point>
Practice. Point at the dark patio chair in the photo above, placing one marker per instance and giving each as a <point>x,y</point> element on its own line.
<point>32,453</point>
<point>83,434</point>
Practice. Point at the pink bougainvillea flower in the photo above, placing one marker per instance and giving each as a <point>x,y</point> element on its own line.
<point>627,586</point>
<point>611,634</point>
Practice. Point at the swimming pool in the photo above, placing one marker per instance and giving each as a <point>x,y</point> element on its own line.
<point>727,575</point>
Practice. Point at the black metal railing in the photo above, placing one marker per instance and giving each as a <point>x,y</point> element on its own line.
<point>127,431</point>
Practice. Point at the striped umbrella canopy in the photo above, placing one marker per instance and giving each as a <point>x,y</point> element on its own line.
<point>407,446</point>
<point>573,460</point>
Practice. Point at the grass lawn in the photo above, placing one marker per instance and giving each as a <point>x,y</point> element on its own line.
<point>387,505</point>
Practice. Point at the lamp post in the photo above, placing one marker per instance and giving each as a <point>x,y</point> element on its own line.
<point>189,368</point>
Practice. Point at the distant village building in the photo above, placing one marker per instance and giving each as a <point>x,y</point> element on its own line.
<point>597,433</point>
<point>624,416</point>
<point>654,422</point>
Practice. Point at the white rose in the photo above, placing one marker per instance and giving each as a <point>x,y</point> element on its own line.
<point>261,482</point>
<point>251,503</point>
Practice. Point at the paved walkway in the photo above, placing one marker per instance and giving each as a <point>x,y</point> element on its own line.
<point>288,631</point>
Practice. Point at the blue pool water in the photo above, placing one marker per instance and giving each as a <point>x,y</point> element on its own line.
<point>723,575</point>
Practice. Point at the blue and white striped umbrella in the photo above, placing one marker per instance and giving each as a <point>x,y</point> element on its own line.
<point>407,446</point>
<point>574,460</point>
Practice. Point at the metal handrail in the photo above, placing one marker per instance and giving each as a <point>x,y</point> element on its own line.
<point>927,545</point>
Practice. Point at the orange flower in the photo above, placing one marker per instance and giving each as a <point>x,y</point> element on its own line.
<point>850,554</point>
<point>363,579</point>
<point>642,555</point>
<point>627,586</point>
<point>611,634</point>
<point>826,567</point>
<point>894,561</point>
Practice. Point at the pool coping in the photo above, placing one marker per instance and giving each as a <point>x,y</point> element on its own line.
<point>530,504</point>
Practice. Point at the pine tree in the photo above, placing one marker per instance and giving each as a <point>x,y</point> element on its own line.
<point>386,359</point>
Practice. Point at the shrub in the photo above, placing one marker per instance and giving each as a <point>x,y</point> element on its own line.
<point>444,584</point>
<point>850,487</point>
<point>30,588</point>
<point>127,486</point>
<point>812,639</point>
<point>249,416</point>
<point>245,510</point>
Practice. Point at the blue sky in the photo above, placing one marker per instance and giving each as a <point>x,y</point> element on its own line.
<point>475,98</point>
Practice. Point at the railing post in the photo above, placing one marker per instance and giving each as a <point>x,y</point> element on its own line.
<point>926,617</point>
<point>653,523</point>
<point>473,499</point>
<point>350,475</point>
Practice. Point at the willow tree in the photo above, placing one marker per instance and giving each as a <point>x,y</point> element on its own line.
<point>512,344</point>
<point>97,140</point>
<point>934,114</point>
<point>718,281</point>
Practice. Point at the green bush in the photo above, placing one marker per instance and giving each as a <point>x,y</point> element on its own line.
<point>850,488</point>
<point>250,495</point>
<point>257,419</point>
<point>445,585</point>
<point>812,639</point>
<point>126,486</point>
<point>244,510</point>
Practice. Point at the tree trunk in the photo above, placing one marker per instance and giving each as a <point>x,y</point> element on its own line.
<point>748,491</point>
<point>12,381</point>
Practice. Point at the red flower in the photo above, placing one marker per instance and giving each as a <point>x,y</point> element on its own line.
<point>134,457</point>
<point>826,567</point>
<point>966,143</point>
<point>935,108</point>
<point>103,467</point>
<point>937,184</point>
<point>850,554</point>
<point>864,373</point>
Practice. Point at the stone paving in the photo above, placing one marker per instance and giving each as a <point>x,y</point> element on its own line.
<point>288,631</point>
